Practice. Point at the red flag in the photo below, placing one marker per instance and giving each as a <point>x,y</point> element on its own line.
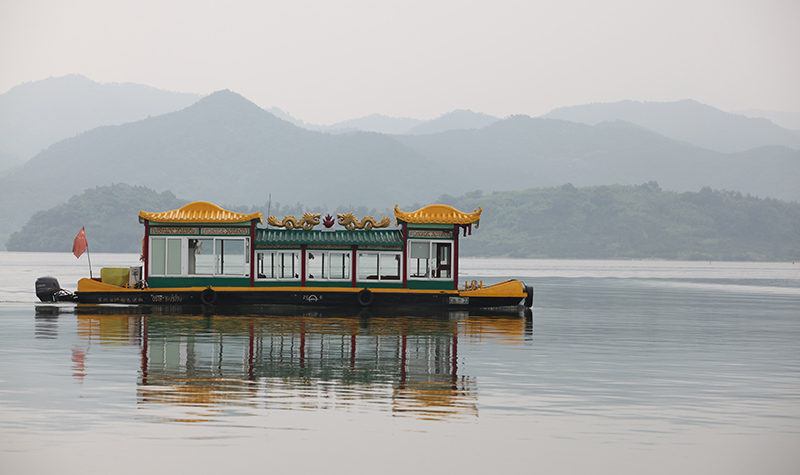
<point>80,244</point>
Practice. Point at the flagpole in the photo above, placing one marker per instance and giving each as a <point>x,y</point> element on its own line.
<point>89,257</point>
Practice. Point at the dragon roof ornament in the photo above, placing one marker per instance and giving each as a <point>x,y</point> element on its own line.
<point>307,222</point>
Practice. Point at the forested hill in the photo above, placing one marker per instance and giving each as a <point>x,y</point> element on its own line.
<point>632,222</point>
<point>600,222</point>
<point>110,215</point>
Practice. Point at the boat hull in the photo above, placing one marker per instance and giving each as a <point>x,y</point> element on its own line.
<point>507,294</point>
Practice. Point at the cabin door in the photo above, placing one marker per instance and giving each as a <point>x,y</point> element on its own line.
<point>444,265</point>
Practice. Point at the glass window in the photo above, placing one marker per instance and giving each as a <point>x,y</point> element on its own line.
<point>288,265</point>
<point>379,265</point>
<point>230,256</point>
<point>165,256</point>
<point>282,265</point>
<point>367,266</point>
<point>158,256</point>
<point>327,265</point>
<point>173,257</point>
<point>315,265</point>
<point>340,265</point>
<point>442,251</point>
<point>430,259</point>
<point>390,266</point>
<point>265,265</point>
<point>419,253</point>
<point>201,256</point>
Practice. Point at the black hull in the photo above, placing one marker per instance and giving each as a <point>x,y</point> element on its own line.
<point>326,298</point>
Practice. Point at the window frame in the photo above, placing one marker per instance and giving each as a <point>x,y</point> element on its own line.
<point>296,253</point>
<point>325,255</point>
<point>183,251</point>
<point>433,264</point>
<point>379,278</point>
<point>165,252</point>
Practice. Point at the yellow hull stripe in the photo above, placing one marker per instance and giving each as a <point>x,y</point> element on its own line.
<point>511,288</point>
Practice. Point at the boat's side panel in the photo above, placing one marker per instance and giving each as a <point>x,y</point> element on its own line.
<point>445,284</point>
<point>198,281</point>
<point>511,293</point>
<point>316,297</point>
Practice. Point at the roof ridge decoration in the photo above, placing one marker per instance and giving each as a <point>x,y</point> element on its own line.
<point>377,237</point>
<point>307,222</point>
<point>200,212</point>
<point>350,222</point>
<point>438,214</point>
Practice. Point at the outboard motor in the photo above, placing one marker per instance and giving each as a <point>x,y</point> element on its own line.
<point>48,290</point>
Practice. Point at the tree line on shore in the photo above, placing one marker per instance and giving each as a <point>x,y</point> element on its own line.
<point>633,222</point>
<point>565,222</point>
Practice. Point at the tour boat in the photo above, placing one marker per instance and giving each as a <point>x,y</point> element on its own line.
<point>201,254</point>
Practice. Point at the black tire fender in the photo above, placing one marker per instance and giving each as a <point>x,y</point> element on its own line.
<point>208,296</point>
<point>365,297</point>
<point>529,297</point>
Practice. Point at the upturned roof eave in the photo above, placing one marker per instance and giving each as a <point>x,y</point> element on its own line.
<point>437,214</point>
<point>199,212</point>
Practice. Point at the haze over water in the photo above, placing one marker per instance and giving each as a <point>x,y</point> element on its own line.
<point>624,367</point>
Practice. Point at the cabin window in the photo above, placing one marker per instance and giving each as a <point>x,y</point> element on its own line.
<point>379,266</point>
<point>218,256</point>
<point>419,254</point>
<point>280,265</point>
<point>327,265</point>
<point>430,260</point>
<point>199,256</point>
<point>165,256</point>
<point>230,257</point>
<point>340,265</point>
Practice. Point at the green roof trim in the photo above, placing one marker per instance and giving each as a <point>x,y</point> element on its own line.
<point>361,238</point>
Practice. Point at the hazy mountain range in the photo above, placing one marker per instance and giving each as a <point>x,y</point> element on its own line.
<point>787,120</point>
<point>224,148</point>
<point>688,121</point>
<point>35,115</point>
<point>457,119</point>
<point>379,123</point>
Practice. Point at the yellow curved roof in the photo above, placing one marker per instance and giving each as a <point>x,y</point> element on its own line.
<point>200,212</point>
<point>439,214</point>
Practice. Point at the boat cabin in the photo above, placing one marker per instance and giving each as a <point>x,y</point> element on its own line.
<point>202,245</point>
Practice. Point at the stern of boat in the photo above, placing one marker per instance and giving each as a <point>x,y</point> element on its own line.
<point>508,293</point>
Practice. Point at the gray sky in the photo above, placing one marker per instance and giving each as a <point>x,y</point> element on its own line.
<point>324,61</point>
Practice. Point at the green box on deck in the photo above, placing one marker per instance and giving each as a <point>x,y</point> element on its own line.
<point>115,276</point>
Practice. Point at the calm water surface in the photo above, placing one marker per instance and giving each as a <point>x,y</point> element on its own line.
<point>624,367</point>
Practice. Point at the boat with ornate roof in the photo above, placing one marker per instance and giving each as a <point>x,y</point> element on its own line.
<point>202,254</point>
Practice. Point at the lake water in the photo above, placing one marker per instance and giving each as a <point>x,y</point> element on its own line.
<point>624,367</point>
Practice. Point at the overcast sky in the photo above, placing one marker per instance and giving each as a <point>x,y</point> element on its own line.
<point>324,61</point>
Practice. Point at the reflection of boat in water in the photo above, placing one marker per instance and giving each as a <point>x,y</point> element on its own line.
<point>408,365</point>
<point>202,254</point>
